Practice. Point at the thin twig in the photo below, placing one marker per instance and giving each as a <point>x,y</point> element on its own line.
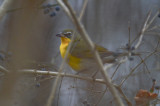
<point>137,73</point>
<point>145,26</point>
<point>51,73</point>
<point>51,97</point>
<point>150,22</point>
<point>146,67</point>
<point>54,87</point>
<point>152,33</point>
<point>100,98</point>
<point>124,96</point>
<point>33,71</point>
<point>115,70</point>
<point>129,39</point>
<point>83,9</point>
<point>70,12</point>
<point>136,67</point>
<point>87,89</point>
<point>4,7</point>
<point>59,91</point>
<point>4,70</point>
<point>154,27</point>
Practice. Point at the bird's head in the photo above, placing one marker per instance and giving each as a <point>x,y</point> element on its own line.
<point>66,34</point>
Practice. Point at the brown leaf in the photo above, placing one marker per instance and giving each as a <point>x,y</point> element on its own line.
<point>143,97</point>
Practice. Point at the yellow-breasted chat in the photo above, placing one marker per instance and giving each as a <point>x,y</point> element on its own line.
<point>80,58</point>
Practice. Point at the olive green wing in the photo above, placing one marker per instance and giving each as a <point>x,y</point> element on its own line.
<point>103,52</point>
<point>81,50</point>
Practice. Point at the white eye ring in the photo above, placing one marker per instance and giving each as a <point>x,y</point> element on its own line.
<point>69,33</point>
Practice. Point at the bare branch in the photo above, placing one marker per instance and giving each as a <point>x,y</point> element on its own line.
<point>154,27</point>
<point>83,9</point>
<point>145,26</point>
<point>136,67</point>
<point>100,98</point>
<point>154,17</point>
<point>54,87</point>
<point>124,96</point>
<point>4,70</point>
<point>4,7</point>
<point>33,71</point>
<point>70,12</point>
<point>115,71</point>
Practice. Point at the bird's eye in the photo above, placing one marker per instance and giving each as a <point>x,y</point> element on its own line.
<point>68,34</point>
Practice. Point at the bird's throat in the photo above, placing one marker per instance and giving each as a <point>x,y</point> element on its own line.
<point>73,61</point>
<point>64,44</point>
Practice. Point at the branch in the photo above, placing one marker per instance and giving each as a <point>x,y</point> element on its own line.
<point>54,87</point>
<point>4,70</point>
<point>145,26</point>
<point>83,9</point>
<point>115,71</point>
<point>33,71</point>
<point>4,7</point>
<point>124,96</point>
<point>70,12</point>
<point>136,67</point>
<point>51,73</point>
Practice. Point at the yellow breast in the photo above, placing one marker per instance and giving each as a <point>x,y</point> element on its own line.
<point>73,61</point>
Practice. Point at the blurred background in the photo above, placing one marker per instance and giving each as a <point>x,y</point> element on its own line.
<point>28,41</point>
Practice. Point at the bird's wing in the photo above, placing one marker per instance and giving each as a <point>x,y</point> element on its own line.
<point>81,50</point>
<point>103,51</point>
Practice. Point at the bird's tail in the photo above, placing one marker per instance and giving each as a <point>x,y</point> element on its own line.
<point>116,56</point>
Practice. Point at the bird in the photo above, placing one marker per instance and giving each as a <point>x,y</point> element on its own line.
<point>80,58</point>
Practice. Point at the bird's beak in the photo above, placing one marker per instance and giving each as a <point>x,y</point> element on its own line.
<point>60,35</point>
